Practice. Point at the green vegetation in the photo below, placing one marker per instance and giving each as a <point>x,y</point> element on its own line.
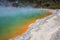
<point>52,4</point>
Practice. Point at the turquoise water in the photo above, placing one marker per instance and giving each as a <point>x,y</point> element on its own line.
<point>13,20</point>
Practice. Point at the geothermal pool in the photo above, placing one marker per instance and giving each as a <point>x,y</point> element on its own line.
<point>15,21</point>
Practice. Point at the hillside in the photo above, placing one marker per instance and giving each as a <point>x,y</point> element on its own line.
<point>52,4</point>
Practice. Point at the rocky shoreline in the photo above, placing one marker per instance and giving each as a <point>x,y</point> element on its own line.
<point>34,28</point>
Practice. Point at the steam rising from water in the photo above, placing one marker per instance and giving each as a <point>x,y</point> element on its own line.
<point>13,20</point>
<point>12,11</point>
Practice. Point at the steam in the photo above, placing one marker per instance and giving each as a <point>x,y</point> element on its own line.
<point>12,11</point>
<point>6,8</point>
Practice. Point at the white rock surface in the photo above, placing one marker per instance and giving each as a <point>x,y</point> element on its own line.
<point>44,29</point>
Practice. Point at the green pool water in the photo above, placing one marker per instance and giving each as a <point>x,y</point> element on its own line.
<point>13,20</point>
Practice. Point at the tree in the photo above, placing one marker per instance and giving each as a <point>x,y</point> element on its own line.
<point>11,0</point>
